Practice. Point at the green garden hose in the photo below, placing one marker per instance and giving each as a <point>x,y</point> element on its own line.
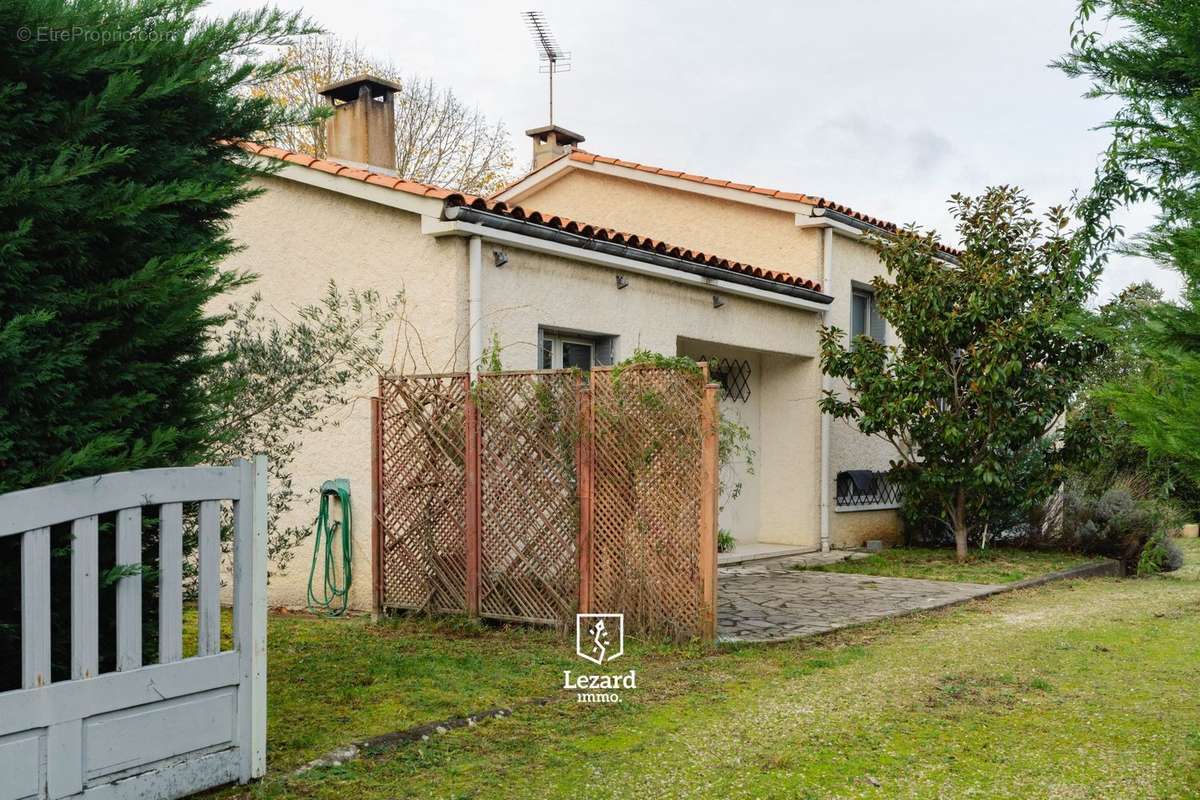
<point>335,594</point>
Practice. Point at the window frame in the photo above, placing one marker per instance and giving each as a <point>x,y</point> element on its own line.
<point>556,339</point>
<point>871,318</point>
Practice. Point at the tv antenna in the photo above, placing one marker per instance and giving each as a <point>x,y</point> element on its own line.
<point>554,57</point>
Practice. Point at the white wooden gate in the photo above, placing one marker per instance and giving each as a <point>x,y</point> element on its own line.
<point>143,731</point>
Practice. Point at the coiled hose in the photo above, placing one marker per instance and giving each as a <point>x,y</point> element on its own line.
<point>335,591</point>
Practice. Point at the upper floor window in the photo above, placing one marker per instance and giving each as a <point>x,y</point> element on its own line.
<point>864,316</point>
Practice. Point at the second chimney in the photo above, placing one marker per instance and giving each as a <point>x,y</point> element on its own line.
<point>362,130</point>
<point>550,142</point>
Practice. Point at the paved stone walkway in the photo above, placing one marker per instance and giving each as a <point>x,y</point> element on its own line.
<point>766,601</point>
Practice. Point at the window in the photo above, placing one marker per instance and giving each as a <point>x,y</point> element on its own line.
<point>567,350</point>
<point>864,316</point>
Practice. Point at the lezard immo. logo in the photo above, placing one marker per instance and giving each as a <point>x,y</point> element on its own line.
<point>599,638</point>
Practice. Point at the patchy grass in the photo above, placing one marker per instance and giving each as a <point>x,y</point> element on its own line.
<point>1081,689</point>
<point>994,565</point>
<point>330,681</point>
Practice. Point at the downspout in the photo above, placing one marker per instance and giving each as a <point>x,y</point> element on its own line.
<point>826,385</point>
<point>475,303</point>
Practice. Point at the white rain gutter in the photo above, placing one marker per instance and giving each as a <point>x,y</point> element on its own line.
<point>475,303</point>
<point>826,385</point>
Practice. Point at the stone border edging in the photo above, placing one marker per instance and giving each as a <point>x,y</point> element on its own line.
<point>389,741</point>
<point>1107,568</point>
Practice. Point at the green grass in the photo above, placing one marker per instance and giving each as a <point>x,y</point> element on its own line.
<point>993,565</point>
<point>1080,689</point>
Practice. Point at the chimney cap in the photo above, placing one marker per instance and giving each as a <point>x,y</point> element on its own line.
<point>347,90</point>
<point>562,136</point>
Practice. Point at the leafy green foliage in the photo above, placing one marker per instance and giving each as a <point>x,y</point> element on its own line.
<point>1160,554</point>
<point>990,357</point>
<point>1152,67</point>
<point>115,185</point>
<point>649,358</point>
<point>489,360</point>
<point>725,541</point>
<point>1099,447</point>
<point>283,379</point>
<point>734,451</point>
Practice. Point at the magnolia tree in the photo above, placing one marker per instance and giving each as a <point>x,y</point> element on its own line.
<point>990,355</point>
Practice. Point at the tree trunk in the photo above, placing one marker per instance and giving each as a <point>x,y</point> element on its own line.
<point>960,526</point>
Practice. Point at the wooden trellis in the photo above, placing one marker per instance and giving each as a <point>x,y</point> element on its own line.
<point>651,494</point>
<point>530,496</point>
<point>421,452</point>
<point>529,505</point>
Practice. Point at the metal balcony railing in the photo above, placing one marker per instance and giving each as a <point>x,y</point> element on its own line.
<point>863,487</point>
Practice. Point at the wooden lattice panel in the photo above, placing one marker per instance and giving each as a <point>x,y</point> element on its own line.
<point>646,518</point>
<point>422,485</point>
<point>529,511</point>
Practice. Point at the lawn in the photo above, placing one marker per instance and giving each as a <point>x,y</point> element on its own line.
<point>1079,689</point>
<point>993,565</point>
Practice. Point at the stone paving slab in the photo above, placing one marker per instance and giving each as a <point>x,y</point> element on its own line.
<point>770,602</point>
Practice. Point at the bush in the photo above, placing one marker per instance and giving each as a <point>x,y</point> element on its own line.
<point>725,541</point>
<point>1160,554</point>
<point>1117,524</point>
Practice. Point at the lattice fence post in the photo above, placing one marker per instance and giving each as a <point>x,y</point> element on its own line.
<point>709,491</point>
<point>473,497</point>
<point>377,502</point>
<point>585,462</point>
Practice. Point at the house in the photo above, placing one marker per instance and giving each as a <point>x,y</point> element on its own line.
<point>578,264</point>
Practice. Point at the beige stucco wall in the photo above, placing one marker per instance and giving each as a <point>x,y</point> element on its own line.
<point>740,515</point>
<point>296,239</point>
<point>761,236</point>
<point>856,528</point>
<point>848,448</point>
<point>791,447</point>
<point>535,290</point>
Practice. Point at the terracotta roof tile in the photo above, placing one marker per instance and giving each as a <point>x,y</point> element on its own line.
<point>299,158</point>
<point>332,167</point>
<point>499,207</point>
<point>386,181</point>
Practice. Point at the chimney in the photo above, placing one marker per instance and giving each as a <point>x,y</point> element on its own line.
<point>550,142</point>
<point>362,131</point>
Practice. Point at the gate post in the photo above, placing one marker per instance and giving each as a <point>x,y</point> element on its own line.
<point>709,493</point>
<point>472,497</point>
<point>250,614</point>
<point>585,467</point>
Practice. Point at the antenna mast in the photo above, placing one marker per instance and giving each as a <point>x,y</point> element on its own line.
<point>554,57</point>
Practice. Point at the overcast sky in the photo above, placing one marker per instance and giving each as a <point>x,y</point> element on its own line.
<point>888,107</point>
